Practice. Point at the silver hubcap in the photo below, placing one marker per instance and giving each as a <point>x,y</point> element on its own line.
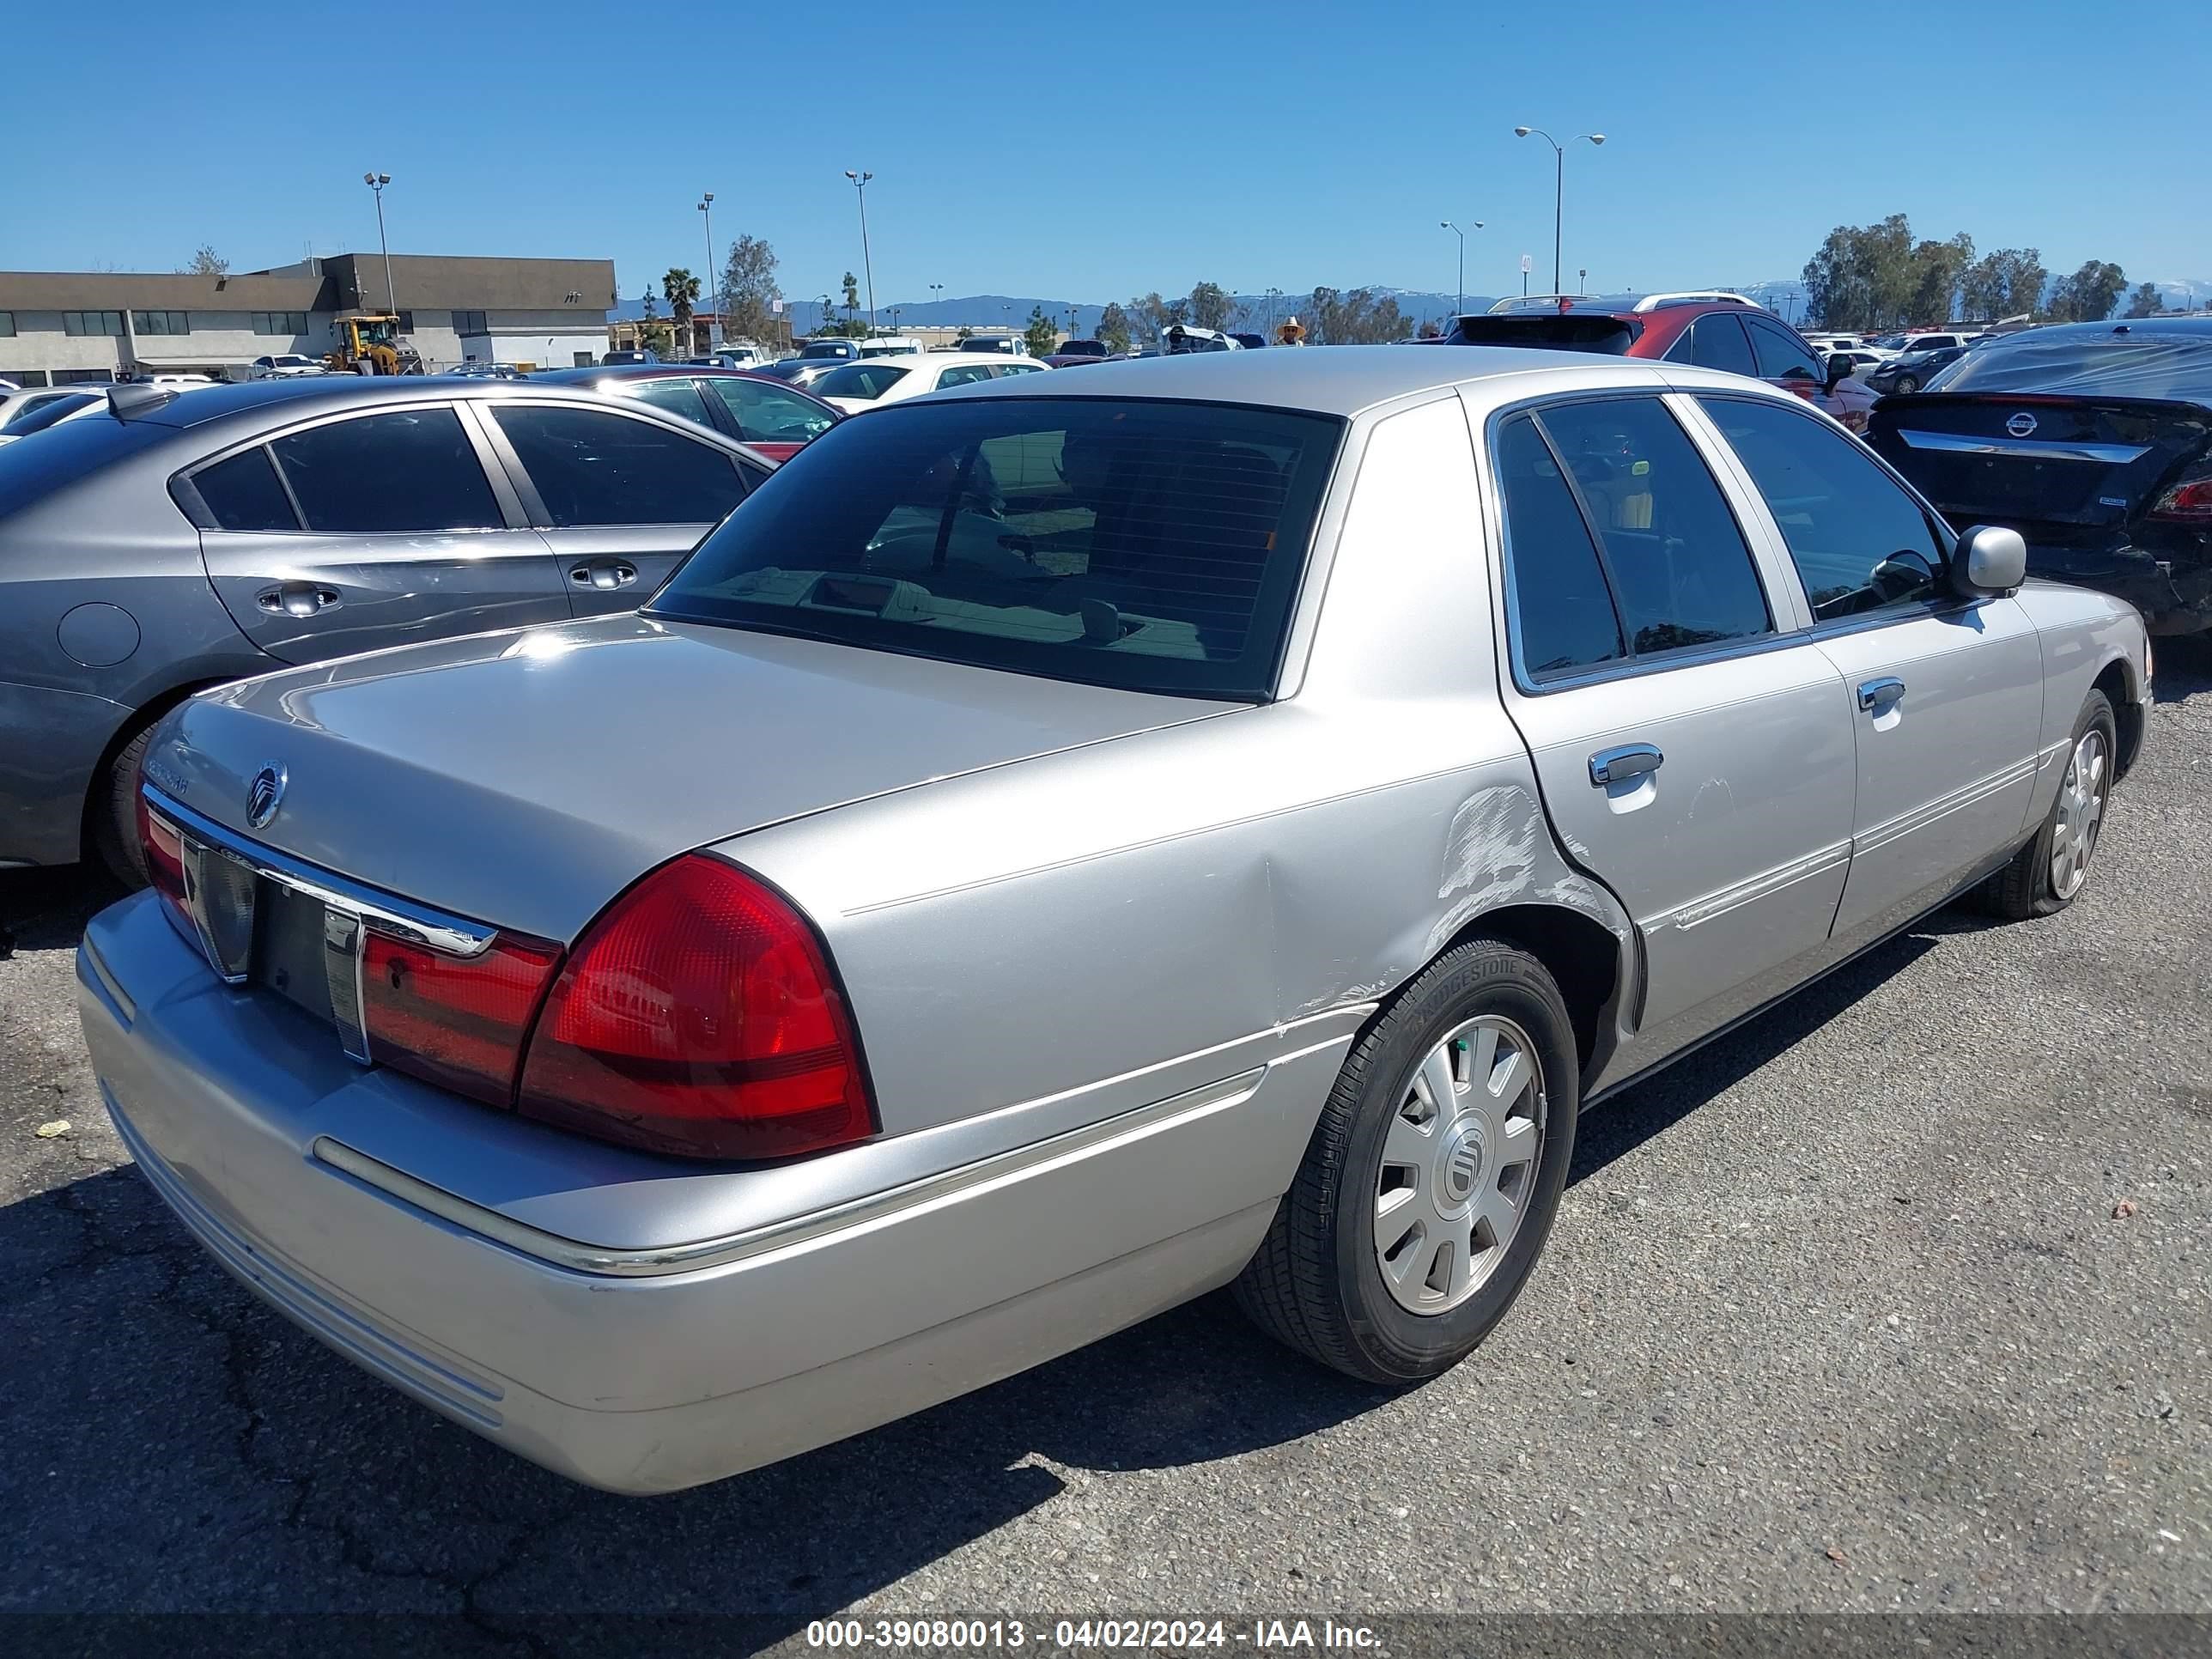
<point>2080,811</point>
<point>1459,1164</point>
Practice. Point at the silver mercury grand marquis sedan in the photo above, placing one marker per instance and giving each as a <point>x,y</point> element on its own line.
<point>1057,849</point>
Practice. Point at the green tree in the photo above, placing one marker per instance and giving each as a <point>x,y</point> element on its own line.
<point>1210,306</point>
<point>208,263</point>
<point>1863,276</point>
<point>852,297</point>
<point>750,291</point>
<point>1430,331</point>
<point>1043,334</point>
<point>1113,328</point>
<point>2089,295</point>
<point>964,333</point>
<point>2145,300</point>
<point>651,305</point>
<point>1938,268</point>
<point>681,290</point>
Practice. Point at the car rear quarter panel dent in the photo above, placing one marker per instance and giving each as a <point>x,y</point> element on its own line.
<point>1115,920</point>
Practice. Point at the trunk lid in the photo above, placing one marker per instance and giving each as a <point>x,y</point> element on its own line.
<point>2070,474</point>
<point>524,778</point>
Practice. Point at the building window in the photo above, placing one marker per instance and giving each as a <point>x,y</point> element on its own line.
<point>93,322</point>
<point>162,322</point>
<point>7,325</point>
<point>469,322</point>
<point>282,322</point>
<point>583,359</point>
<point>406,322</point>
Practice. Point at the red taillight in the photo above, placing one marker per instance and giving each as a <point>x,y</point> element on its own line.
<point>698,1014</point>
<point>165,864</point>
<point>2189,501</point>
<point>458,1021</point>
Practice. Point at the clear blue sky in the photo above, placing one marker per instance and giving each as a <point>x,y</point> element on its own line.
<point>1286,145</point>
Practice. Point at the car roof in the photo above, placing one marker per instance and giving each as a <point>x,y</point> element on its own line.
<point>1346,381</point>
<point>642,372</point>
<point>249,402</point>
<point>2190,329</point>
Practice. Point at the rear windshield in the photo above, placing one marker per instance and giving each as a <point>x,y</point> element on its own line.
<point>1151,546</point>
<point>858,381</point>
<point>34,469</point>
<point>48,413</point>
<point>1564,331</point>
<point>2097,365</point>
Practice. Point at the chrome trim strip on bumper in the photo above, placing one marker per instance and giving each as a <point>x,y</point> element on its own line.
<point>418,924</point>
<point>599,1261</point>
<point>2026,449</point>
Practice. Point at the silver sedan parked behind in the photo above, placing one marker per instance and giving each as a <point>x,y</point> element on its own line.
<point>1061,848</point>
<point>156,542</point>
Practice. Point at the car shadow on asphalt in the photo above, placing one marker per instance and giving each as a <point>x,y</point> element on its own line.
<point>108,1286</point>
<point>2184,667</point>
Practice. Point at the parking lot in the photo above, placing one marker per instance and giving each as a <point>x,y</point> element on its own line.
<point>1896,1297</point>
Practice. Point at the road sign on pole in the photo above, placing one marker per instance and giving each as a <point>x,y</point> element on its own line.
<point>1527,264</point>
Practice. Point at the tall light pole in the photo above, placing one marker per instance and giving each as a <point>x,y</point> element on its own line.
<point>1581,280</point>
<point>1559,183</point>
<point>860,186</point>
<point>1460,304</point>
<point>714,276</point>
<point>377,181</point>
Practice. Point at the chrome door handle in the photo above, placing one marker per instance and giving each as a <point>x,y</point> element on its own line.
<point>1631,760</point>
<point>1875,693</point>
<point>298,600</point>
<point>604,573</point>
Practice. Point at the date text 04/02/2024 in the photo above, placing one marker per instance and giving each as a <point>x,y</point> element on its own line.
<point>1262,1635</point>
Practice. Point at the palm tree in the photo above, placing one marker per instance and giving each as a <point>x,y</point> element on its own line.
<point>682,290</point>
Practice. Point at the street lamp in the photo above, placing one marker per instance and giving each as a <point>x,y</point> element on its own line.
<point>861,186</point>
<point>377,181</point>
<point>1581,280</point>
<point>1559,183</point>
<point>1460,304</point>
<point>714,294</point>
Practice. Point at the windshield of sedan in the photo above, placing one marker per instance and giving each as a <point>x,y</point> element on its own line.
<point>858,381</point>
<point>1157,547</point>
<point>2096,365</point>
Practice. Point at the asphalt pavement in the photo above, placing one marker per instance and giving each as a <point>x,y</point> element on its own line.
<point>1899,1297</point>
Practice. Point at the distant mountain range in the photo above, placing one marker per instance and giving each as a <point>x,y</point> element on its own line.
<point>1786,298</point>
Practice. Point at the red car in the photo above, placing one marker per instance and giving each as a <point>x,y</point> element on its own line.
<point>1710,330</point>
<point>777,420</point>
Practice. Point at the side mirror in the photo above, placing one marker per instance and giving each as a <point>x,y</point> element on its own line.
<point>1989,561</point>
<point>1839,370</point>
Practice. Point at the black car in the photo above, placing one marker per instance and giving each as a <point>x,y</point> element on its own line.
<point>2093,440</point>
<point>1909,371</point>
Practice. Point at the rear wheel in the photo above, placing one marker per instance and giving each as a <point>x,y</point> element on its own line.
<point>2047,874</point>
<point>1905,383</point>
<point>114,811</point>
<point>1432,1177</point>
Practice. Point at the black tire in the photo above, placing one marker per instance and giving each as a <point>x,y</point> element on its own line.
<point>2023,888</point>
<point>114,811</point>
<point>1905,386</point>
<point>1316,1284</point>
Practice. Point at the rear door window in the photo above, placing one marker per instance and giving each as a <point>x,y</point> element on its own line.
<point>244,493</point>
<point>965,374</point>
<point>410,470</point>
<point>1564,619</point>
<point>1679,569</point>
<point>1717,342</point>
<point>1860,543</point>
<point>593,467</point>
<point>859,381</point>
